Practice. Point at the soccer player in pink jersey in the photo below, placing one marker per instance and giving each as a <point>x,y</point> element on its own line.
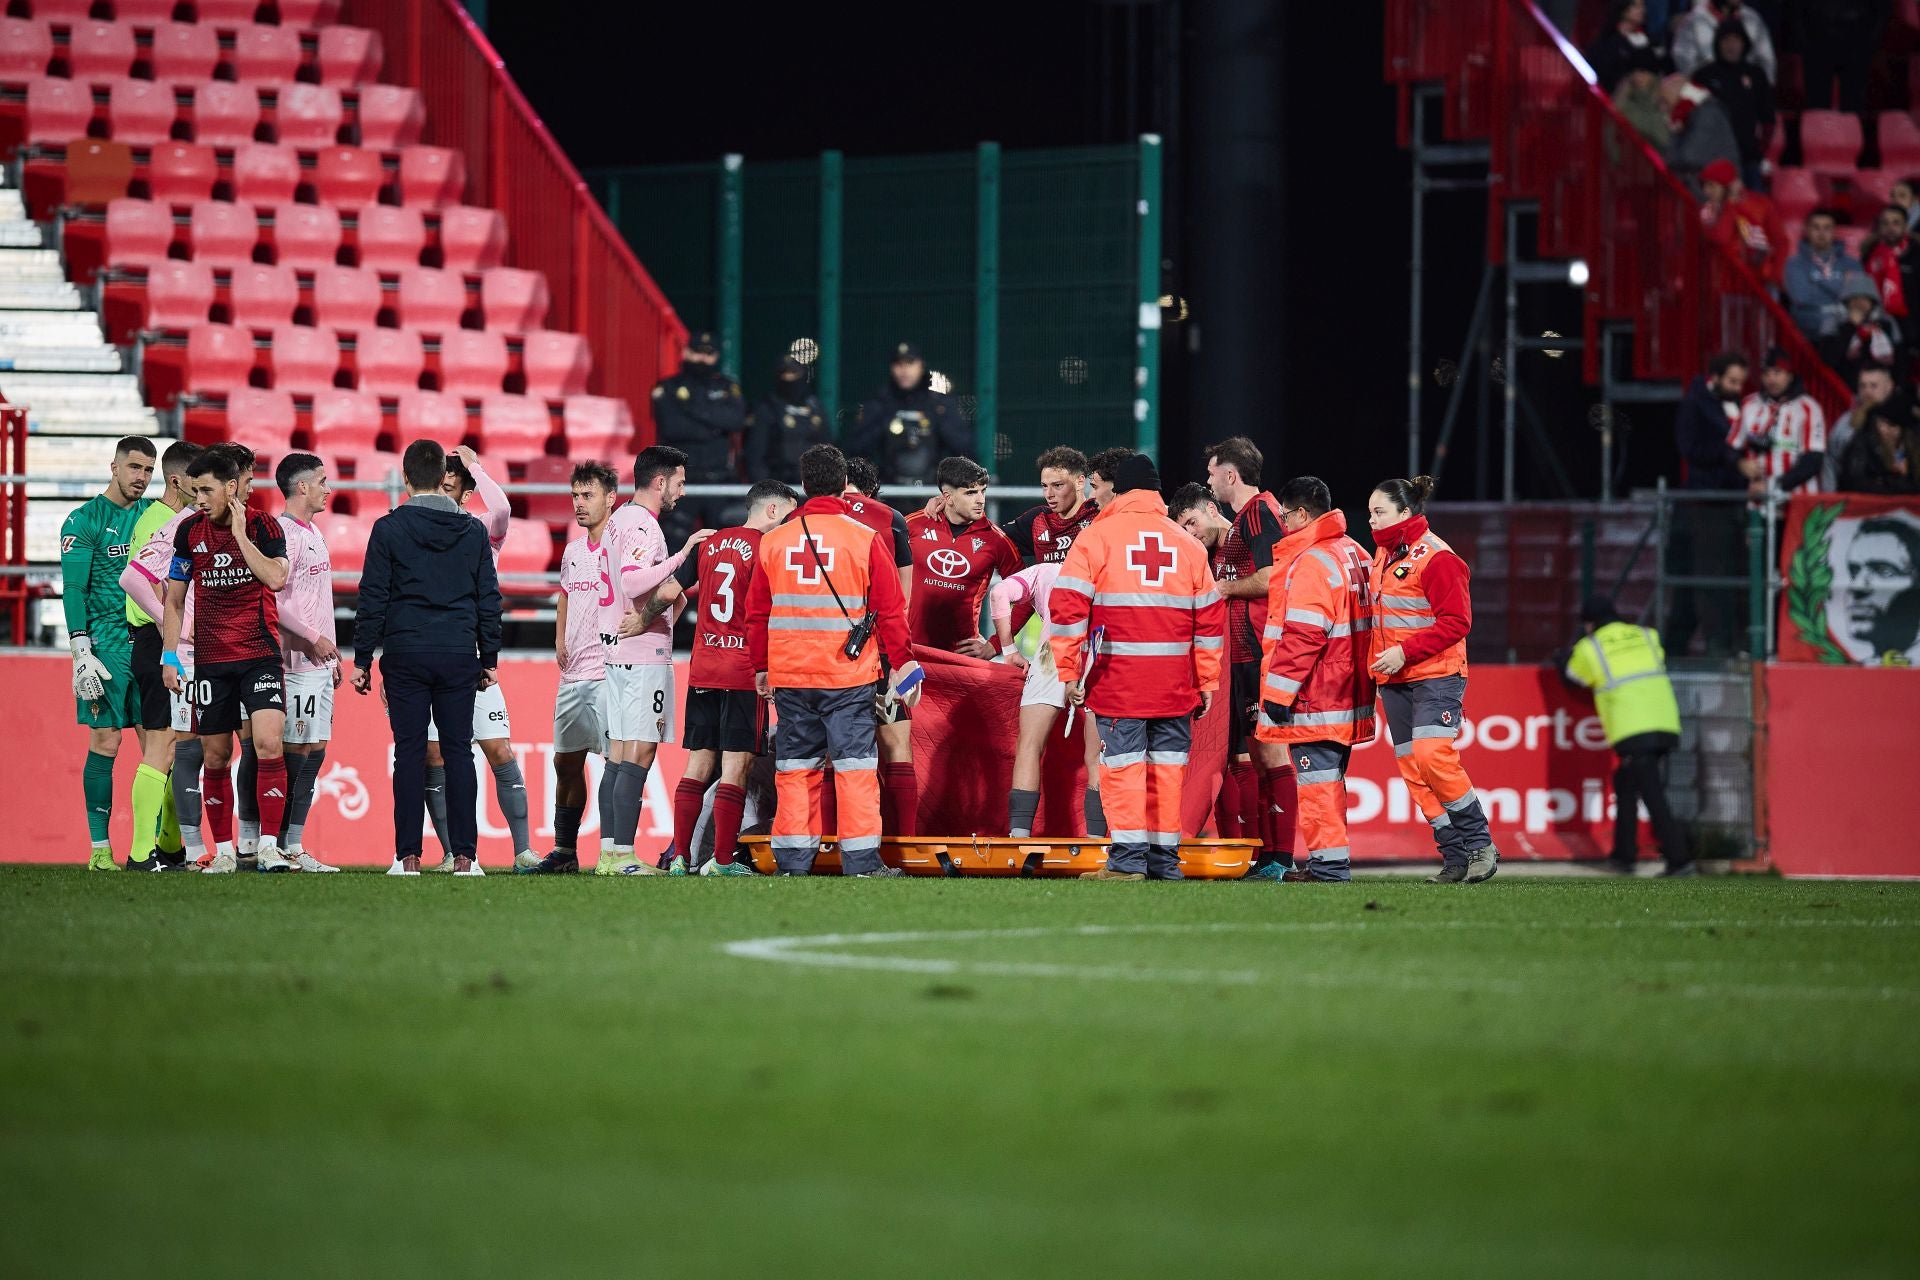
<point>492,729</point>
<point>1042,697</point>
<point>638,693</point>
<point>578,726</point>
<point>306,645</point>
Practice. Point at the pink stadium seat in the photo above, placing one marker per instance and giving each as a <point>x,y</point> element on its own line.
<point>528,549</point>
<point>472,239</point>
<point>472,363</point>
<point>219,358</point>
<point>265,174</point>
<point>139,112</point>
<point>62,10</point>
<point>431,299</point>
<point>1871,189</point>
<point>183,53</point>
<point>226,12</point>
<point>99,50</point>
<point>347,533</point>
<point>138,233</point>
<point>58,111</point>
<point>26,47</point>
<point>597,427</point>
<point>1829,140</point>
<point>304,359</point>
<point>346,421</point>
<point>263,296</point>
<point>513,427</point>
<point>1795,193</point>
<point>513,299</point>
<point>348,56</point>
<point>308,115</point>
<point>1899,142</point>
<point>261,420</point>
<point>557,364</point>
<point>390,238</point>
<point>224,114</point>
<point>264,55</point>
<point>432,415</point>
<point>347,298</point>
<point>389,359</point>
<point>179,294</point>
<point>349,177</point>
<point>308,13</point>
<point>306,235</point>
<point>432,176</point>
<point>143,13</point>
<point>222,232</point>
<point>390,116</point>
<point>555,510</point>
<point>182,172</point>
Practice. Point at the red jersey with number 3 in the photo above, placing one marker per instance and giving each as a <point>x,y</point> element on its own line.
<point>725,567</point>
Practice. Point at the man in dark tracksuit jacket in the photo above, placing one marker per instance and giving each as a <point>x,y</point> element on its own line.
<point>429,596</point>
<point>1706,538</point>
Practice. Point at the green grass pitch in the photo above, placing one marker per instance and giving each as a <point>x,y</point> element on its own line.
<point>352,1075</point>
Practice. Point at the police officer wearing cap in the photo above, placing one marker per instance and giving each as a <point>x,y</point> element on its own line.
<point>700,411</point>
<point>908,427</point>
<point>785,425</point>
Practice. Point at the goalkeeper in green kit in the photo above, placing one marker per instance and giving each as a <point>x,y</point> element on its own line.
<point>94,542</point>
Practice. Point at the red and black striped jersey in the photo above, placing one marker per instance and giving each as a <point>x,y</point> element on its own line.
<point>236,619</point>
<point>1247,549</point>
<point>1041,537</point>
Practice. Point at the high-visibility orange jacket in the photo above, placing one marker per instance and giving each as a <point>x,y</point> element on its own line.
<point>795,631</point>
<point>1144,582</point>
<point>1420,602</point>
<point>1314,682</point>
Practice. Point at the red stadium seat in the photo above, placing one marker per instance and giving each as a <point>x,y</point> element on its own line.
<point>513,299</point>
<point>432,415</point>
<point>597,427</point>
<point>99,50</point>
<point>389,359</point>
<point>182,172</point>
<point>1899,142</point>
<point>306,235</point>
<point>144,13</point>
<point>308,13</point>
<point>139,233</point>
<point>226,12</point>
<point>263,296</point>
<point>1829,140</point>
<point>26,47</point>
<point>432,299</point>
<point>58,111</point>
<point>308,115</point>
<point>347,533</point>
<point>390,238</point>
<point>1795,193</point>
<point>472,363</point>
<point>261,420</point>
<point>347,298</point>
<point>348,56</point>
<point>219,358</point>
<point>345,421</point>
<point>304,359</point>
<point>225,115</point>
<point>183,53</point>
<point>390,116</point>
<point>265,55</point>
<point>513,427</point>
<point>99,171</point>
<point>265,174</point>
<point>179,294</point>
<point>62,10</point>
<point>431,177</point>
<point>557,364</point>
<point>472,239</point>
<point>528,549</point>
<point>139,112</point>
<point>222,232</point>
<point>555,510</point>
<point>349,177</point>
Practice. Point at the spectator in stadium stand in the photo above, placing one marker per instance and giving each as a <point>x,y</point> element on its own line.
<point>1744,221</point>
<point>1705,537</point>
<point>1638,99</point>
<point>1906,194</point>
<point>1815,274</point>
<point>1884,458</point>
<point>1700,130</point>
<point>1839,38</point>
<point>1697,32</point>
<point>908,426</point>
<point>784,425</point>
<point>1893,261</point>
<point>1865,335</point>
<point>1744,89</point>
<point>1782,428</point>
<point>1623,45</point>
<point>1873,385</point>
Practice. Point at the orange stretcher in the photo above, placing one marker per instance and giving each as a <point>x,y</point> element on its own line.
<point>1201,857</point>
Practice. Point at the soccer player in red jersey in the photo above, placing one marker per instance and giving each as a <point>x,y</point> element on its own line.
<point>1043,534</point>
<point>235,563</point>
<point>955,556</point>
<point>725,722</point>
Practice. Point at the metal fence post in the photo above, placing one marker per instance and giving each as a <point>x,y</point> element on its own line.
<point>827,356</point>
<point>986,305</point>
<point>1663,521</point>
<point>727,286</point>
<point>1756,585</point>
<point>1146,372</point>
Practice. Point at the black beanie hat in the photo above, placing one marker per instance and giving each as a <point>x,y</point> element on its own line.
<point>1135,471</point>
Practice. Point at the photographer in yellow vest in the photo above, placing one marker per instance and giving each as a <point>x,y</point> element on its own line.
<point>1624,666</point>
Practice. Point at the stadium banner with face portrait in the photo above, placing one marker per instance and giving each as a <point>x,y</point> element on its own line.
<point>1852,566</point>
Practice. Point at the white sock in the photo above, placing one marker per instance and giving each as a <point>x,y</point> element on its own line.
<point>249,836</point>
<point>224,846</point>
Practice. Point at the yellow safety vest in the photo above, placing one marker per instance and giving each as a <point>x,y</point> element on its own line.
<point>1627,670</point>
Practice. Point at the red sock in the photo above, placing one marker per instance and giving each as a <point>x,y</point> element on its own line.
<point>686,815</point>
<point>216,802</point>
<point>1240,791</point>
<point>899,800</point>
<point>1280,789</point>
<point>728,802</point>
<point>270,789</point>
<point>1226,809</point>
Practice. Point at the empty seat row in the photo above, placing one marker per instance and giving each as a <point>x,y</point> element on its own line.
<point>1830,141</point>
<point>144,112</point>
<point>222,357</point>
<point>350,422</point>
<point>141,232</point>
<point>292,13</point>
<point>1797,191</point>
<point>180,51</point>
<point>180,295</point>
<point>258,173</point>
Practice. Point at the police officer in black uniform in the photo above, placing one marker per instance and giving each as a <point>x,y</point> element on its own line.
<point>908,427</point>
<point>785,425</point>
<point>700,411</point>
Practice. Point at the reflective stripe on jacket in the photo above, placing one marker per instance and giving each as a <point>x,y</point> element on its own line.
<point>1318,640</point>
<point>1401,609</point>
<point>1626,668</point>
